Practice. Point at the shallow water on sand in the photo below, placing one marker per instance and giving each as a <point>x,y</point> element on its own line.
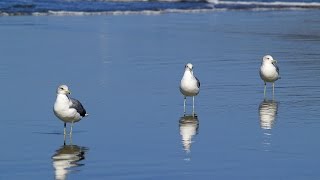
<point>126,71</point>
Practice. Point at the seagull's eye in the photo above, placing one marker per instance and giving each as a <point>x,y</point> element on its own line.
<point>61,88</point>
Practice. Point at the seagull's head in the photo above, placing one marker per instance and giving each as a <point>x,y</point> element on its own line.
<point>189,67</point>
<point>268,59</point>
<point>63,89</point>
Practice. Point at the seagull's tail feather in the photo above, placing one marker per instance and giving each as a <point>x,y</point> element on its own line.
<point>86,115</point>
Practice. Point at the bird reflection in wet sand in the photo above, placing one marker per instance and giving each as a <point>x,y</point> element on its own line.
<point>268,110</point>
<point>188,125</point>
<point>66,158</point>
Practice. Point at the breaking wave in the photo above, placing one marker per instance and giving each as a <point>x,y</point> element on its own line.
<point>114,7</point>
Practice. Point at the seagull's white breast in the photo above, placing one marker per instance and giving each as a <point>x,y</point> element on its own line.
<point>189,84</point>
<point>268,72</point>
<point>63,111</point>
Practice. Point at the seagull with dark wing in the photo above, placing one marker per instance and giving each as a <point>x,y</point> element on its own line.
<point>189,85</point>
<point>269,71</point>
<point>67,109</point>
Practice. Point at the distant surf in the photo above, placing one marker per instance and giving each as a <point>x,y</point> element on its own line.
<point>256,5</point>
<point>106,7</point>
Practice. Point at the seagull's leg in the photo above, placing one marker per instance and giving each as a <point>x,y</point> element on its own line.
<point>265,88</point>
<point>64,129</point>
<point>64,140</point>
<point>273,90</point>
<point>70,139</point>
<point>193,105</point>
<point>184,105</point>
<point>71,129</point>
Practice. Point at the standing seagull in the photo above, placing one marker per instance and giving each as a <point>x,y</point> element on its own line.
<point>269,72</point>
<point>67,109</point>
<point>189,86</point>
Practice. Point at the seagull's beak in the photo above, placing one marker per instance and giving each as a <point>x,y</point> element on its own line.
<point>274,61</point>
<point>69,92</point>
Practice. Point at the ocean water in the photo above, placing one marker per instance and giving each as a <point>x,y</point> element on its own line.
<point>126,71</point>
<point>115,7</point>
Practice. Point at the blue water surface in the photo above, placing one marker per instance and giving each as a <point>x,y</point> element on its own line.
<point>126,71</point>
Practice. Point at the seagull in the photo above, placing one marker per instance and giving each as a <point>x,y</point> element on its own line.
<point>269,72</point>
<point>189,85</point>
<point>67,109</point>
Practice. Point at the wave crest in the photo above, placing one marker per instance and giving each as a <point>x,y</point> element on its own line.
<point>114,7</point>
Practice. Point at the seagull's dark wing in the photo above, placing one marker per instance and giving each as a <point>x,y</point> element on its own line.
<point>198,82</point>
<point>78,106</point>
<point>277,68</point>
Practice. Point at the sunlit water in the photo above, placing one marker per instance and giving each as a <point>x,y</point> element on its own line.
<point>126,71</point>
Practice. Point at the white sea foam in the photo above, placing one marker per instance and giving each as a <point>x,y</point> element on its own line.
<point>208,6</point>
<point>146,12</point>
<point>267,4</point>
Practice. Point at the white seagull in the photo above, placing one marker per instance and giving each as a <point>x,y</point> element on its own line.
<point>269,72</point>
<point>189,85</point>
<point>67,109</point>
